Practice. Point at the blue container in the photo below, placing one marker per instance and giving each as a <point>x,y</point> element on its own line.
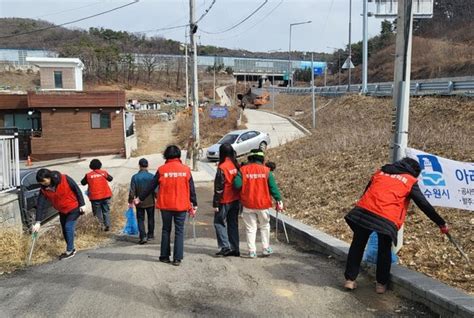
<point>370,254</point>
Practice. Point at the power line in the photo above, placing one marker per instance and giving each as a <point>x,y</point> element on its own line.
<point>63,11</point>
<point>70,22</point>
<point>254,25</point>
<point>206,12</point>
<point>163,29</point>
<point>236,25</point>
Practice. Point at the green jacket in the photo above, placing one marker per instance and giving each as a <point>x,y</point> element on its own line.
<point>273,187</point>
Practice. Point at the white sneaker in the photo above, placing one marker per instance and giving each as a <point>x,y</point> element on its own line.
<point>252,255</point>
<point>267,251</point>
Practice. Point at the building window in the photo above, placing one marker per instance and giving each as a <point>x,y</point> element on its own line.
<point>100,120</point>
<point>58,79</point>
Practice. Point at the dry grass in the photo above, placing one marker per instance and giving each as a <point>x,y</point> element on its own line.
<point>50,244</point>
<point>211,130</point>
<point>349,144</point>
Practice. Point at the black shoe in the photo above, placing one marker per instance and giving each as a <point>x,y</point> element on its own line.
<point>107,229</point>
<point>231,253</point>
<point>165,260</point>
<point>176,262</point>
<point>66,254</point>
<point>223,251</point>
<point>142,241</point>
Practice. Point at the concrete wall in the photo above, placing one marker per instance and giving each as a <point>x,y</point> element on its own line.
<point>47,77</point>
<point>131,144</point>
<point>10,217</point>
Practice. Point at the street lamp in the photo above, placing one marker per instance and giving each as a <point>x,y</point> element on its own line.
<point>289,49</point>
<point>338,63</point>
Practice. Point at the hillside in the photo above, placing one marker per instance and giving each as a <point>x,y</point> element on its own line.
<point>350,142</point>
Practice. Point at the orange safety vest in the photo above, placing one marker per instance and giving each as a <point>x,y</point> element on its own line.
<point>255,192</point>
<point>98,185</point>
<point>230,194</point>
<point>173,192</point>
<point>63,199</point>
<point>388,196</point>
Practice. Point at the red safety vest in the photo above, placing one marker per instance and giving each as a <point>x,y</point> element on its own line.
<point>230,194</point>
<point>255,192</point>
<point>63,199</point>
<point>173,192</point>
<point>98,185</point>
<point>388,196</point>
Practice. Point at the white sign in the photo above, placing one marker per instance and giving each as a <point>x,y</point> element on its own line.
<point>445,182</point>
<point>347,64</point>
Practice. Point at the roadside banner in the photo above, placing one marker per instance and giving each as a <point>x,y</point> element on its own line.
<point>445,182</point>
<point>218,112</point>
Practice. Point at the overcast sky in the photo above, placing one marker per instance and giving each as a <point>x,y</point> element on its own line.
<point>267,30</point>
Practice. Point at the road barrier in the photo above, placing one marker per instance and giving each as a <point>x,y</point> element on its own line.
<point>447,86</point>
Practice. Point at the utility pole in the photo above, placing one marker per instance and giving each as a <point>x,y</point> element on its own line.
<point>214,80</point>
<point>401,93</point>
<point>195,91</point>
<point>187,65</point>
<point>350,41</point>
<point>365,53</point>
<point>313,98</point>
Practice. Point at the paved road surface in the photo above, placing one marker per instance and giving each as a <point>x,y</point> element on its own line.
<point>126,280</point>
<point>280,129</point>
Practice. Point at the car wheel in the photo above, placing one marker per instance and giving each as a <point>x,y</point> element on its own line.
<point>262,146</point>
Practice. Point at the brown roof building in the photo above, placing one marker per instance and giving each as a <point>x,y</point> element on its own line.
<point>68,124</point>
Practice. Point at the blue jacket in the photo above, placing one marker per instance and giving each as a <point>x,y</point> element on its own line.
<point>138,185</point>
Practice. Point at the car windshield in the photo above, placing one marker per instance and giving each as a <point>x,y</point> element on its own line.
<point>228,139</point>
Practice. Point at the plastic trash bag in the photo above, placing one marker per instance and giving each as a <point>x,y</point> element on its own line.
<point>370,254</point>
<point>131,226</point>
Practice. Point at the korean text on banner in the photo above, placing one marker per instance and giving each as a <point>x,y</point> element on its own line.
<point>445,182</point>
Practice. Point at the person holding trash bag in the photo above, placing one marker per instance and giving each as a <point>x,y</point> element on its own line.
<point>175,197</point>
<point>226,203</point>
<point>138,185</point>
<point>382,209</point>
<point>99,192</point>
<point>257,187</point>
<point>66,197</point>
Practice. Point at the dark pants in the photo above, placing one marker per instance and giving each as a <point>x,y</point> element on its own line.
<point>356,251</point>
<point>226,223</point>
<point>179,218</point>
<point>101,210</point>
<point>150,213</point>
<point>68,225</point>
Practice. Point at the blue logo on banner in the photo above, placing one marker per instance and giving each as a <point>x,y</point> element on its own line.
<point>432,173</point>
<point>219,112</point>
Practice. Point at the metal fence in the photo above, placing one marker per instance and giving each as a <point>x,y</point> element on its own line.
<point>417,88</point>
<point>10,163</point>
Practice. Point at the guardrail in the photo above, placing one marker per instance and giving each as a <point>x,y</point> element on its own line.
<point>417,88</point>
<point>10,163</point>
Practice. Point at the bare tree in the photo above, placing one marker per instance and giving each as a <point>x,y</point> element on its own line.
<point>150,62</point>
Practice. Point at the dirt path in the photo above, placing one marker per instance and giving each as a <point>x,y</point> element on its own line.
<point>153,135</point>
<point>126,279</point>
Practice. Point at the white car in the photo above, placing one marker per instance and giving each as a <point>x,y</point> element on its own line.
<point>242,141</point>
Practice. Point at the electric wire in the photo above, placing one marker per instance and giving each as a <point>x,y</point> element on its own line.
<point>239,23</point>
<point>67,10</point>
<point>70,22</point>
<point>206,12</point>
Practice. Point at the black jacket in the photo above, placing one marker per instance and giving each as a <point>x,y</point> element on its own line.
<point>219,183</point>
<point>371,221</point>
<point>55,180</point>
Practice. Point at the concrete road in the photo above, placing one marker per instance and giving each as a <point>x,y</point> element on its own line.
<point>225,100</point>
<point>279,128</point>
<point>126,280</point>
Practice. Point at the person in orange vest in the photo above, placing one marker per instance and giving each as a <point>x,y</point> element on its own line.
<point>257,187</point>
<point>175,197</point>
<point>64,195</point>
<point>99,192</point>
<point>226,203</point>
<point>382,209</point>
